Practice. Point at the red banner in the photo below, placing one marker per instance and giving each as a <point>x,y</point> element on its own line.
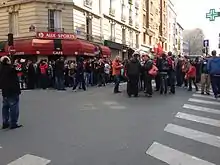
<point>55,35</point>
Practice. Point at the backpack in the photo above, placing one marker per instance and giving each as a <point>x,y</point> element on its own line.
<point>165,65</point>
<point>153,71</point>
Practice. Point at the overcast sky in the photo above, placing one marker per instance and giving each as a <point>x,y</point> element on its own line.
<point>192,14</point>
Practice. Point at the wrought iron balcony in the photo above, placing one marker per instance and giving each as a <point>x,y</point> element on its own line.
<point>55,29</point>
<point>112,38</point>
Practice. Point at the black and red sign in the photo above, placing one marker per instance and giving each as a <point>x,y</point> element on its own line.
<point>55,35</point>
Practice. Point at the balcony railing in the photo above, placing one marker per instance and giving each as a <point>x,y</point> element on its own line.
<point>130,21</point>
<point>55,29</point>
<point>112,12</point>
<point>124,41</point>
<point>112,38</point>
<point>88,3</point>
<point>89,37</point>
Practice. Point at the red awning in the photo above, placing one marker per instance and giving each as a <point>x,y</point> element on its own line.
<point>105,51</point>
<point>46,47</point>
<point>78,47</point>
<point>33,47</point>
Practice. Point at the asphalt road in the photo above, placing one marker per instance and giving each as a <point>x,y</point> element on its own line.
<point>97,127</point>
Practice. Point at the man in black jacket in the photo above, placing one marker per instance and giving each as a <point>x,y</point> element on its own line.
<point>10,91</point>
<point>133,70</point>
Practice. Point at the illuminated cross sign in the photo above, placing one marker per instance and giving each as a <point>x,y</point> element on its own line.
<point>212,15</point>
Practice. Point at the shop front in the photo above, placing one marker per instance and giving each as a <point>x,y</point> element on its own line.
<point>116,48</point>
<point>52,45</point>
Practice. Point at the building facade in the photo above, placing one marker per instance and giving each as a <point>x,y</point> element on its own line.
<point>87,19</point>
<point>171,37</point>
<point>163,24</point>
<point>179,39</point>
<point>50,28</point>
<point>121,26</point>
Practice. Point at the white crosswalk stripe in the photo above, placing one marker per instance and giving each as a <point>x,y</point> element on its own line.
<point>204,96</point>
<point>204,101</point>
<point>193,135</point>
<point>30,160</point>
<point>202,109</point>
<point>174,157</point>
<point>199,92</point>
<point>198,119</point>
<point>198,103</point>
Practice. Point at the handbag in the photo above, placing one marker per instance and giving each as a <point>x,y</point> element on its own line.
<point>153,71</point>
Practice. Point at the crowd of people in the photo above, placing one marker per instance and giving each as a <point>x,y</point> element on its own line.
<point>60,74</point>
<point>167,70</point>
<point>170,71</point>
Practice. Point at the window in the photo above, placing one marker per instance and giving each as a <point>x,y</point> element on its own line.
<point>176,42</point>
<point>150,40</point>
<point>169,37</point>
<point>123,10</point>
<point>145,4</point>
<point>144,21</point>
<point>88,28</point>
<point>136,18</point>
<point>151,7</point>
<point>112,32</point>
<point>137,40</point>
<point>123,36</point>
<point>13,23</point>
<point>54,20</point>
<point>131,38</point>
<point>144,38</point>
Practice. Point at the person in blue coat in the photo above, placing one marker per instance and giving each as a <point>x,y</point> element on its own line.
<point>213,68</point>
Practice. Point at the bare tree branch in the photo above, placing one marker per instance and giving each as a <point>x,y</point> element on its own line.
<point>195,39</point>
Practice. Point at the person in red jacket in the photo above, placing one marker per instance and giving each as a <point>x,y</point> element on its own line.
<point>191,76</point>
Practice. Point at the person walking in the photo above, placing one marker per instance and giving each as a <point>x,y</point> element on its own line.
<point>214,71</point>
<point>9,84</point>
<point>191,76</point>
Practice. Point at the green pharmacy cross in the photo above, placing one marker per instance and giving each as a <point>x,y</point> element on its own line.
<point>212,15</point>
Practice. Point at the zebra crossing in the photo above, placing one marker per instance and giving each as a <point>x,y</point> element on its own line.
<point>29,159</point>
<point>198,109</point>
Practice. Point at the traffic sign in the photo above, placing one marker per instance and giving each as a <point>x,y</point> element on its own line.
<point>206,43</point>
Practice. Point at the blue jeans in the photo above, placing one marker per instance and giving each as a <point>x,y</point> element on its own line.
<point>87,79</point>
<point>215,81</point>
<point>10,110</point>
<point>60,82</point>
<point>117,82</point>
